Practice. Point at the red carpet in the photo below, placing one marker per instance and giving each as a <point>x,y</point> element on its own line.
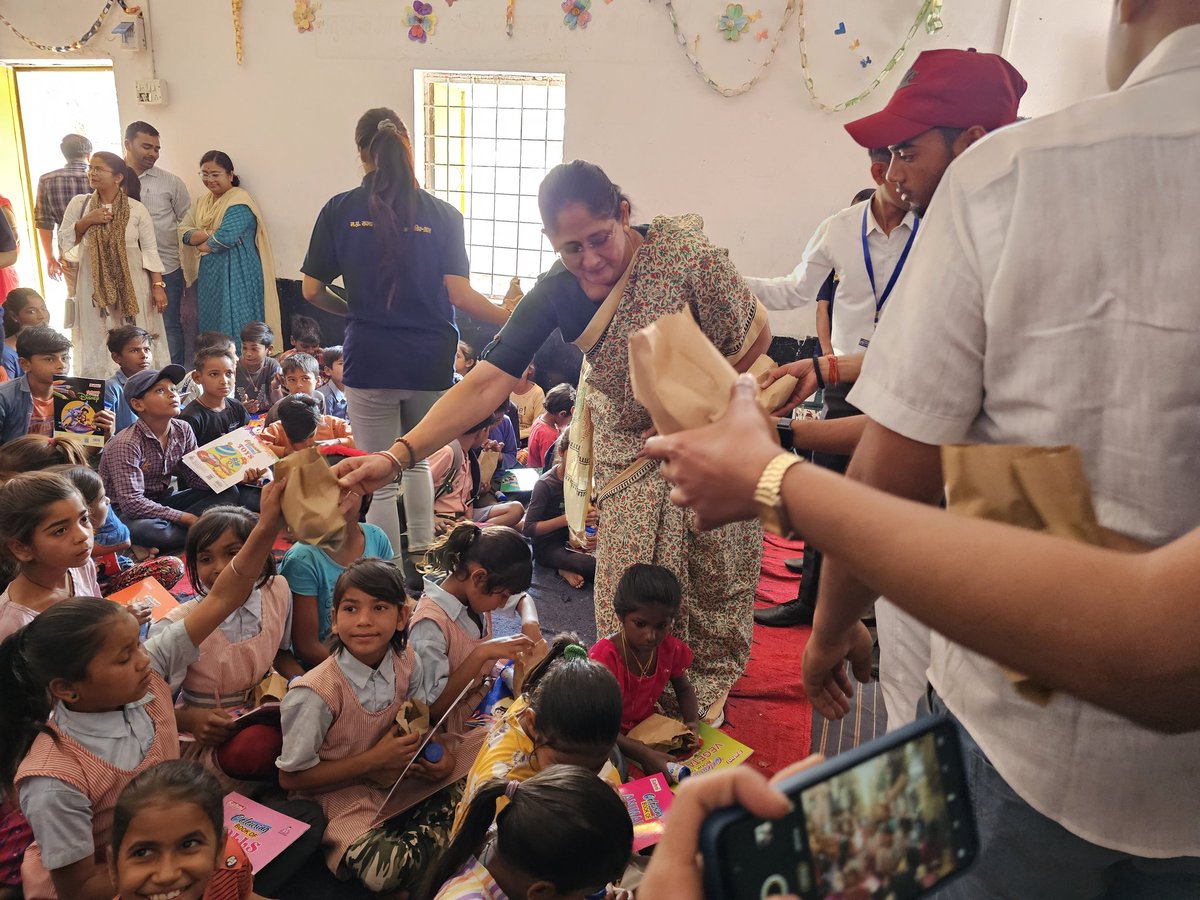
<point>767,708</point>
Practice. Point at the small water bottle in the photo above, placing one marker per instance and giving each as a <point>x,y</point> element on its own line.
<point>590,532</point>
<point>433,752</point>
<point>676,772</point>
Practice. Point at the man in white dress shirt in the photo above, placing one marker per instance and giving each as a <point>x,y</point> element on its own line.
<point>166,198</point>
<point>949,99</point>
<point>1011,326</point>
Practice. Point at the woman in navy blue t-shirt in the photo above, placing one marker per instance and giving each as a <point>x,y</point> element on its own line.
<point>400,254</point>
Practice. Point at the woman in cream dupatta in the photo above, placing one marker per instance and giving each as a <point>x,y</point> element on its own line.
<point>614,279</point>
<point>226,250</point>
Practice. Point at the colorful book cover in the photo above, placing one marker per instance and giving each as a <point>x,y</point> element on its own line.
<point>223,462</point>
<point>147,592</point>
<point>77,402</point>
<point>717,751</point>
<point>647,801</point>
<point>262,833</point>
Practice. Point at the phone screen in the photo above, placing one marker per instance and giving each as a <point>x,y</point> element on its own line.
<point>890,828</point>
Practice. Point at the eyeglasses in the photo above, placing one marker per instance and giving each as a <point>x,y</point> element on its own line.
<point>209,176</point>
<point>575,249</point>
<point>96,170</point>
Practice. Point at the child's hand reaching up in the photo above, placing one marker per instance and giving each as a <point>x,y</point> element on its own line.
<point>270,509</point>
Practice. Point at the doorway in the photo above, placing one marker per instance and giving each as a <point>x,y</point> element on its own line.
<point>38,106</point>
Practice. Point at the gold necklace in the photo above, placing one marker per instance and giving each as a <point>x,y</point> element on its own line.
<point>645,670</point>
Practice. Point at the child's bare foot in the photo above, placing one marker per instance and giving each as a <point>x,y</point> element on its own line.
<point>574,579</point>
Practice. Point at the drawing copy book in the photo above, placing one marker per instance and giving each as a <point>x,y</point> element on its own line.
<point>262,833</point>
<point>718,751</point>
<point>150,592</point>
<point>223,462</point>
<point>77,402</point>
<point>647,801</point>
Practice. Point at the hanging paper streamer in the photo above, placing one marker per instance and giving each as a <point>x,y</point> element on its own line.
<point>236,7</point>
<point>421,21</point>
<point>305,15</point>
<point>846,38</point>
<point>79,43</point>
<point>577,14</point>
<point>509,15</point>
<point>691,49</point>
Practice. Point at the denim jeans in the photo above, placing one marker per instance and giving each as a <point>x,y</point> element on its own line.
<point>379,416</point>
<point>171,320</point>
<point>165,535</point>
<point>1027,856</point>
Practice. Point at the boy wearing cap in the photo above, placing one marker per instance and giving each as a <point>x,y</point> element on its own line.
<point>1026,279</point>
<point>948,100</point>
<point>139,463</point>
<point>27,403</point>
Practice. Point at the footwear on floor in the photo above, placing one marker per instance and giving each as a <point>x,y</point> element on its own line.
<point>794,564</point>
<point>794,612</point>
<point>714,713</point>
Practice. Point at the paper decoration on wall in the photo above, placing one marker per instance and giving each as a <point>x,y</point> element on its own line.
<point>79,42</point>
<point>510,14</point>
<point>735,22</point>
<point>305,15</point>
<point>691,51</point>
<point>421,21</point>
<point>577,13</point>
<point>236,7</point>
<point>863,30</point>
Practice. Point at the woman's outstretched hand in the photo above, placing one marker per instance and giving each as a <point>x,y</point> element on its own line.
<point>365,474</point>
<point>806,383</point>
<point>715,469</point>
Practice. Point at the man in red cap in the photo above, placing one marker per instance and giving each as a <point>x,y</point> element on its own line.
<point>1024,318</point>
<point>948,100</point>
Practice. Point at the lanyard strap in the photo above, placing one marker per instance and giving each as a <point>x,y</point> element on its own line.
<point>880,300</point>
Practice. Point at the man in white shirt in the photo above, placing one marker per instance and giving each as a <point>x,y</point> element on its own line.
<point>956,96</point>
<point>166,198</point>
<point>1009,327</point>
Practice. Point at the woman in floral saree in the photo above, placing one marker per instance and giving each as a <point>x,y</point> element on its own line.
<point>612,280</point>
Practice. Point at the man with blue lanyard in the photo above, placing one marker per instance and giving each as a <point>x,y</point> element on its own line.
<point>946,101</point>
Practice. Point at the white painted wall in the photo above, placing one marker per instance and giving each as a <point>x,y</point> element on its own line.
<point>762,169</point>
<point>1059,48</point>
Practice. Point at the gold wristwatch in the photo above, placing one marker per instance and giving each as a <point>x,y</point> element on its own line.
<point>771,510</point>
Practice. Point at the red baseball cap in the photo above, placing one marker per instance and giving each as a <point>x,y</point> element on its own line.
<point>945,89</point>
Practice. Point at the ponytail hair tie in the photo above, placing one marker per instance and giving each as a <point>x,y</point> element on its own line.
<point>510,789</point>
<point>574,651</point>
<point>386,125</point>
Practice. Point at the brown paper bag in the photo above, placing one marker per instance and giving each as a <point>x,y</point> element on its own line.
<point>271,689</point>
<point>661,733</point>
<point>513,295</point>
<point>413,717</point>
<point>524,663</point>
<point>489,461</point>
<point>310,500</point>
<point>1039,488</point>
<point>778,393</point>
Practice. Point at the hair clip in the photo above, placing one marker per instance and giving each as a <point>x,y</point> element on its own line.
<point>510,789</point>
<point>386,125</point>
<point>574,651</point>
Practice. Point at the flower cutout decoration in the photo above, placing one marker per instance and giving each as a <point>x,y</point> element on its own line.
<point>577,15</point>
<point>734,23</point>
<point>304,15</point>
<point>421,21</point>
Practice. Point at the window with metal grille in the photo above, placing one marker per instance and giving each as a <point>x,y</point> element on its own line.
<point>488,139</point>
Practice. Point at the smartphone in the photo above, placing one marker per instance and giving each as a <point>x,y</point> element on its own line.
<point>890,819</point>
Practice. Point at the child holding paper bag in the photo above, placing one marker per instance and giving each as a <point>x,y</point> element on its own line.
<point>339,730</point>
<point>644,656</point>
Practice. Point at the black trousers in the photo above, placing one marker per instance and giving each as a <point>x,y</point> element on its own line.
<point>836,407</point>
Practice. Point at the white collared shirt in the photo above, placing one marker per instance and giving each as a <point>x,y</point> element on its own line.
<point>836,246</point>
<point>1055,262</point>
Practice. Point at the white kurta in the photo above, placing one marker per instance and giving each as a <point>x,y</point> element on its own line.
<point>89,335</point>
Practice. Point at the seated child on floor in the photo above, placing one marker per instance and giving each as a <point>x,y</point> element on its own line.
<point>569,712</point>
<point>88,707</point>
<point>23,308</point>
<point>644,656</point>
<point>301,424</point>
<point>45,545</point>
<point>300,376</point>
<point>305,337</point>
<point>312,572</point>
<point>189,387</point>
<point>333,388</point>
<point>527,396</point>
<point>560,406</point>
<point>472,571</point>
<point>215,412</point>
<point>138,464</point>
<point>454,489</point>
<point>129,347</point>
<point>169,828</point>
<point>36,452</point>
<point>340,739</point>
<point>546,523</point>
<point>110,539</point>
<point>563,833</point>
<point>258,386</point>
<point>254,639</point>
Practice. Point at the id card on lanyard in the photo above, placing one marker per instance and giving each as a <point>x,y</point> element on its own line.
<point>881,299</point>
